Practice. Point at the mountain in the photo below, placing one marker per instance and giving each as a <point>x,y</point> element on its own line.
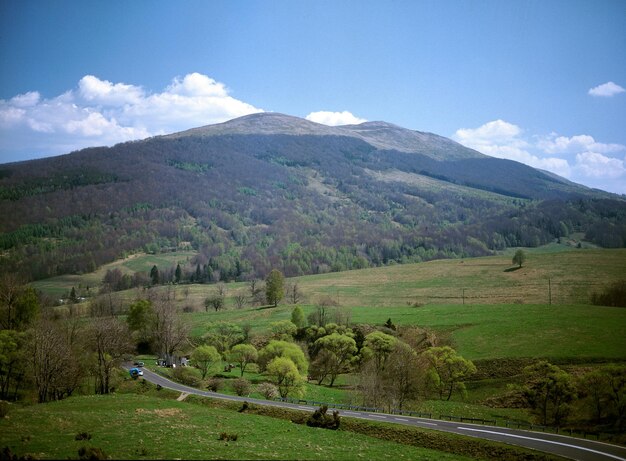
<point>271,190</point>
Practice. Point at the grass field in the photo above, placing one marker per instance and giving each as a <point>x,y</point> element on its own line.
<point>131,426</point>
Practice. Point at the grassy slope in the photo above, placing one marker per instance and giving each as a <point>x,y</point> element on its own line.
<point>130,426</point>
<point>490,325</point>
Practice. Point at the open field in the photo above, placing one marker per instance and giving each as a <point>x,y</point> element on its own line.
<point>556,274</point>
<point>131,426</point>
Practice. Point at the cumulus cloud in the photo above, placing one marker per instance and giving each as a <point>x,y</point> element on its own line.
<point>606,90</point>
<point>334,118</point>
<point>100,112</point>
<point>579,158</point>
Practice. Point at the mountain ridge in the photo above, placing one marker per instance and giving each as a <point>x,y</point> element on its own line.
<point>271,190</point>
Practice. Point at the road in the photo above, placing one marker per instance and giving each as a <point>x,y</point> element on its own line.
<point>568,447</point>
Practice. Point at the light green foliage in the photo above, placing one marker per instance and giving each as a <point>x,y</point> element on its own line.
<point>297,317</point>
<point>283,330</point>
<point>378,346</point>
<point>283,349</point>
<point>448,370</point>
<point>204,358</point>
<point>549,391</point>
<point>243,354</point>
<point>335,355</point>
<point>274,287</point>
<point>224,335</point>
<point>286,376</point>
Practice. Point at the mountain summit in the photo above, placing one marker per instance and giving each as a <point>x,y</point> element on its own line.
<point>274,191</point>
<point>382,135</point>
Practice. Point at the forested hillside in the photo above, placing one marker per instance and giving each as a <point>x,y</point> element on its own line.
<point>272,191</point>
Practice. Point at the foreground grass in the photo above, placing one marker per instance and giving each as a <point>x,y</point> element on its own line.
<point>130,426</point>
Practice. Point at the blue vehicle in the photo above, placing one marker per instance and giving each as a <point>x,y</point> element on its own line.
<point>135,373</point>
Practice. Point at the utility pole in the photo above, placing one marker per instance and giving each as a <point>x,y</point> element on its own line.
<point>549,291</point>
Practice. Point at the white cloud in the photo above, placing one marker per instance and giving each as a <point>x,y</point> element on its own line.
<point>99,112</point>
<point>334,118</point>
<point>98,91</point>
<point>580,158</point>
<point>595,165</point>
<point>606,90</point>
<point>555,144</point>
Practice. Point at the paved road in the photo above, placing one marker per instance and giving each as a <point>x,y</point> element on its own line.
<point>568,447</point>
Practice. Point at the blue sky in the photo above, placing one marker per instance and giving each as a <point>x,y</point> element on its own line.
<point>540,82</point>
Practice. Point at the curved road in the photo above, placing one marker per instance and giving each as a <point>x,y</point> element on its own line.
<point>568,447</point>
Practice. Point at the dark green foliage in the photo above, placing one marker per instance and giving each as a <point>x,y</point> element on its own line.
<point>306,204</point>
<point>83,436</point>
<point>614,295</point>
<point>91,453</point>
<point>4,408</point>
<point>321,418</point>
<point>228,437</point>
<point>519,258</point>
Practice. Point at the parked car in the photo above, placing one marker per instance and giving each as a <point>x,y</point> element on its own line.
<point>139,364</point>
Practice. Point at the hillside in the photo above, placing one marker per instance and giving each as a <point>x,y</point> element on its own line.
<point>270,190</point>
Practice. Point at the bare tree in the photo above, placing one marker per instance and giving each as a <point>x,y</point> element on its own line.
<point>109,338</point>
<point>170,331</point>
<point>50,356</point>
<point>240,299</point>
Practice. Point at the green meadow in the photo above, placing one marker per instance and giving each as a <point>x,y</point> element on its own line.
<point>135,426</point>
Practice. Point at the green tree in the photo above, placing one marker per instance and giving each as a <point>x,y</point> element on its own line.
<point>224,335</point>
<point>286,376</point>
<point>283,349</point>
<point>178,273</point>
<point>204,358</point>
<point>335,356</point>
<point>283,330</point>
<point>549,391</point>
<point>519,258</point>
<point>12,362</point>
<point>448,370</point>
<point>154,275</point>
<point>243,354</point>
<point>274,287</point>
<point>378,345</point>
<point>297,317</point>
<point>216,302</point>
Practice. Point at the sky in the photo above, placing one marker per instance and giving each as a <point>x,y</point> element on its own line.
<point>540,82</point>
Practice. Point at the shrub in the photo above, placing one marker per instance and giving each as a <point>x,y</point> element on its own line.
<point>215,384</point>
<point>242,386</point>
<point>267,390</point>
<point>614,295</point>
<point>185,376</point>
<point>4,408</point>
<point>321,418</point>
<point>83,436</point>
<point>91,453</point>
<point>227,437</point>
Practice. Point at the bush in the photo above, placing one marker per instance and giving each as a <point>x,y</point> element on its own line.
<point>227,437</point>
<point>614,295</point>
<point>83,436</point>
<point>185,376</point>
<point>242,386</point>
<point>267,390</point>
<point>215,384</point>
<point>91,453</point>
<point>321,418</point>
<point>4,408</point>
